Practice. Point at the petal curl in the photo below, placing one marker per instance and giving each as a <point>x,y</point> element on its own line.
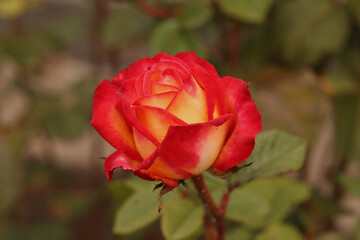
<point>144,146</point>
<point>120,159</point>
<point>133,71</point>
<point>161,100</point>
<point>156,120</point>
<point>188,150</point>
<point>108,120</point>
<point>247,125</point>
<point>130,116</point>
<point>157,88</point>
<point>172,62</point>
<point>190,103</point>
<point>207,77</point>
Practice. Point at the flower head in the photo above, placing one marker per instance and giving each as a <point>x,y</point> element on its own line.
<point>172,117</point>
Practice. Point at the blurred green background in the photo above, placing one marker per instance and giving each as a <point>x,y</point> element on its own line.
<point>302,58</point>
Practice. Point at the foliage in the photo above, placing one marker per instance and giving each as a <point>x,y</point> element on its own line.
<point>301,56</point>
<point>256,204</point>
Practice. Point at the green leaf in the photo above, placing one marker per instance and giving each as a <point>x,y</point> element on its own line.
<point>181,219</point>
<point>119,192</point>
<point>238,234</point>
<point>252,11</point>
<point>275,152</point>
<point>307,30</point>
<point>168,37</point>
<point>288,194</point>
<point>139,185</point>
<point>215,183</point>
<point>125,24</point>
<point>280,193</point>
<point>351,184</point>
<point>280,231</point>
<point>247,207</point>
<point>137,212</point>
<point>195,14</point>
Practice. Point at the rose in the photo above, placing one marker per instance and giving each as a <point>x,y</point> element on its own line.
<point>171,118</point>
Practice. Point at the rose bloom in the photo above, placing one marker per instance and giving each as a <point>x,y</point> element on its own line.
<point>172,117</point>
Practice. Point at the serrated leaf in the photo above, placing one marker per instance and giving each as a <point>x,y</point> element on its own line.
<point>275,152</point>
<point>280,231</point>
<point>247,207</point>
<point>137,212</point>
<point>195,14</point>
<point>307,30</point>
<point>252,11</point>
<point>181,219</point>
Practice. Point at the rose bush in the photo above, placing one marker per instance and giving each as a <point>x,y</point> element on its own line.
<point>172,117</point>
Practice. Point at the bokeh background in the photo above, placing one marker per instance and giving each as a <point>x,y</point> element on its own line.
<point>302,58</point>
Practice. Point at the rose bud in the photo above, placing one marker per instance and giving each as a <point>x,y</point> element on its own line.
<point>172,117</point>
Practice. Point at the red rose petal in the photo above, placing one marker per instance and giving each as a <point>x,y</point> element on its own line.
<point>188,150</point>
<point>156,120</point>
<point>144,146</point>
<point>207,77</point>
<point>190,103</point>
<point>120,159</point>
<point>169,62</point>
<point>130,116</point>
<point>157,88</point>
<point>109,121</point>
<point>161,100</point>
<point>134,70</point>
<point>247,125</point>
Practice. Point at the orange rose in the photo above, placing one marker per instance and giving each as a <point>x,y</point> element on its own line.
<point>171,118</point>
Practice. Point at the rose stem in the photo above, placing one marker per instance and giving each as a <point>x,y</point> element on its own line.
<point>214,215</point>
